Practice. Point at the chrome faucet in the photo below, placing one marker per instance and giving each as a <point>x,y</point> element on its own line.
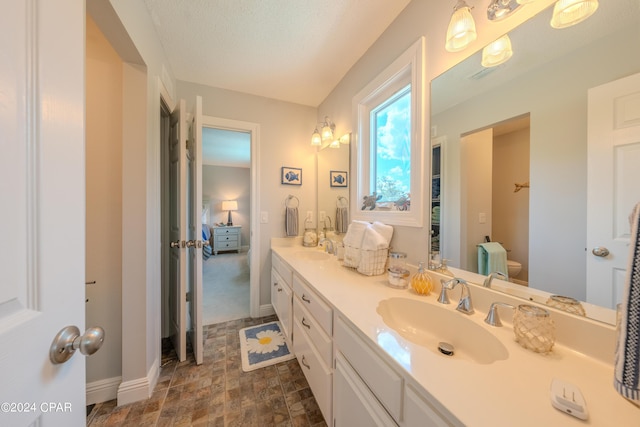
<point>492,316</point>
<point>491,276</point>
<point>464,305</point>
<point>329,245</point>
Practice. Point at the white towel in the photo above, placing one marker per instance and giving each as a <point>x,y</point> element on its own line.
<point>355,234</point>
<point>291,222</point>
<point>372,240</point>
<point>385,230</point>
<point>627,365</point>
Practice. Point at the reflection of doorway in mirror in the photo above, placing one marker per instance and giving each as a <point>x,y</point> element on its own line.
<point>494,160</point>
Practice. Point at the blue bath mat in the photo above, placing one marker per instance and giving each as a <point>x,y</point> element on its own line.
<point>263,345</point>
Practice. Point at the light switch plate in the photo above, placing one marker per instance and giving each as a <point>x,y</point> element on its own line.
<point>264,217</point>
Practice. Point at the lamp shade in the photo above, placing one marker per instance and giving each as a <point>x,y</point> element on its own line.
<point>462,28</point>
<point>497,52</point>
<point>571,12</point>
<point>229,205</point>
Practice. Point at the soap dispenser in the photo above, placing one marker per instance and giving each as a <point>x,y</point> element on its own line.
<point>421,282</point>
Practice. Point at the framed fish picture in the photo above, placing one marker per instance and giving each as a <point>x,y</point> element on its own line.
<point>291,176</point>
<point>338,178</point>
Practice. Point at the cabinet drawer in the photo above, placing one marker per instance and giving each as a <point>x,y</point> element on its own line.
<point>315,333</point>
<point>312,302</point>
<point>283,270</point>
<point>232,238</point>
<point>318,375</point>
<point>383,381</point>
<point>225,231</point>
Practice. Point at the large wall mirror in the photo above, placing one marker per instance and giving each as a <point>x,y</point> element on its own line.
<point>333,187</point>
<point>535,108</point>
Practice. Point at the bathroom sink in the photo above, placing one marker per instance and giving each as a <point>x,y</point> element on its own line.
<point>312,255</point>
<point>428,325</point>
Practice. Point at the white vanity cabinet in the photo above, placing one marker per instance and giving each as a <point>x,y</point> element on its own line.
<point>377,389</point>
<point>282,295</point>
<point>312,344</point>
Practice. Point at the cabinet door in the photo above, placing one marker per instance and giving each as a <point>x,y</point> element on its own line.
<point>419,411</point>
<point>281,299</point>
<point>353,402</point>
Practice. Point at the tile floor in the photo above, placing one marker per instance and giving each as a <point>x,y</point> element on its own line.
<point>218,392</point>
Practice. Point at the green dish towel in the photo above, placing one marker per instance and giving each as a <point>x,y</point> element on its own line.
<point>492,257</point>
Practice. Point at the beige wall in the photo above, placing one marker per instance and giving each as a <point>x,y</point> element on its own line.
<point>103,204</point>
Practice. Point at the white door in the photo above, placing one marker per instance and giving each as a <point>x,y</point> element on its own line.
<point>42,216</point>
<point>178,230</point>
<point>613,177</point>
<point>194,204</point>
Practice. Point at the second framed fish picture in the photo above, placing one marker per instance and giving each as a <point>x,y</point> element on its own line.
<point>338,178</point>
<point>291,176</point>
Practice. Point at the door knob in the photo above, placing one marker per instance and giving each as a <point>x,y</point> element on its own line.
<point>206,243</point>
<point>69,340</point>
<point>600,251</point>
<point>175,244</point>
<point>191,243</point>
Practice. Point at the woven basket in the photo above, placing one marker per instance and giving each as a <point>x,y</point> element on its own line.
<point>367,262</point>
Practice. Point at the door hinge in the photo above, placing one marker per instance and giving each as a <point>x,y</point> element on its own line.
<point>188,296</point>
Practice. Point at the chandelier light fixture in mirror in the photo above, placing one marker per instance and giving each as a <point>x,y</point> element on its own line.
<point>496,53</point>
<point>462,28</point>
<point>500,9</point>
<point>571,12</point>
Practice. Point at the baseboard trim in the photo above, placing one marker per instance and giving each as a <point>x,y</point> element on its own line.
<point>266,310</point>
<point>102,390</point>
<point>140,388</point>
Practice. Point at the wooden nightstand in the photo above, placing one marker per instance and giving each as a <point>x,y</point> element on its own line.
<point>226,238</point>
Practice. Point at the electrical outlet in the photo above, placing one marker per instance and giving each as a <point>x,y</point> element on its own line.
<point>482,218</point>
<point>323,215</point>
<point>264,217</point>
<point>309,216</point>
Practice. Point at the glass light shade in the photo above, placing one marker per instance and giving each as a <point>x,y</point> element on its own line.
<point>315,138</point>
<point>497,52</point>
<point>462,28</point>
<point>571,12</point>
<point>334,144</point>
<point>229,205</point>
<point>327,134</point>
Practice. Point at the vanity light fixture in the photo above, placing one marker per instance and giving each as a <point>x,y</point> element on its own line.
<point>497,52</point>
<point>336,143</point>
<point>500,9</point>
<point>462,28</point>
<point>327,128</point>
<point>571,12</point>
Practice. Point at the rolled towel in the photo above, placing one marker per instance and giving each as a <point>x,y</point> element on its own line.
<point>384,230</point>
<point>373,240</point>
<point>627,360</point>
<point>291,221</point>
<point>355,234</point>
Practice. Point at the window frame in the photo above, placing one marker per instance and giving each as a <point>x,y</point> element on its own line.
<point>408,68</point>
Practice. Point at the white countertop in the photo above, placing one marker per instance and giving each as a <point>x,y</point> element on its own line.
<point>511,392</point>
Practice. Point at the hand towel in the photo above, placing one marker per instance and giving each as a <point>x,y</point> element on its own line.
<point>385,231</point>
<point>492,257</point>
<point>372,240</point>
<point>627,360</point>
<point>342,220</point>
<point>291,221</point>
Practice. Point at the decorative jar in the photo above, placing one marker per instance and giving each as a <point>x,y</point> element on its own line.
<point>421,282</point>
<point>534,328</point>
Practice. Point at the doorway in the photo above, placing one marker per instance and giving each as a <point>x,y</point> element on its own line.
<point>226,219</point>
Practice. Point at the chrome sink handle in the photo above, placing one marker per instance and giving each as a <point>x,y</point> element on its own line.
<point>444,297</point>
<point>491,276</point>
<point>492,316</point>
<point>464,305</point>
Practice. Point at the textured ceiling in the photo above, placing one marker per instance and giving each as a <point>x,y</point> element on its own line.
<point>291,50</point>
